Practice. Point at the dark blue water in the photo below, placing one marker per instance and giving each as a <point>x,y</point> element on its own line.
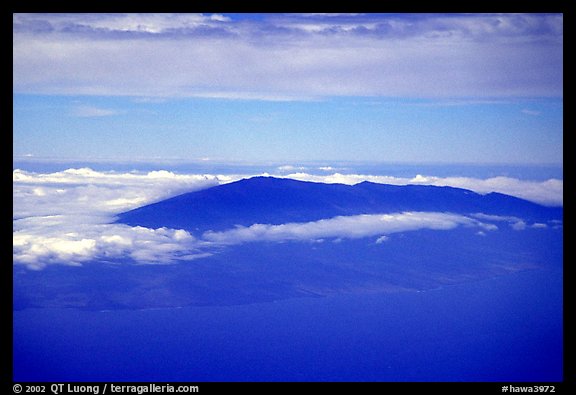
<point>503,329</point>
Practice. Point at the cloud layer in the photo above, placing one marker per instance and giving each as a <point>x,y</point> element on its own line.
<point>288,57</point>
<point>41,241</point>
<point>350,227</point>
<point>67,217</point>
<point>80,191</point>
<point>549,192</point>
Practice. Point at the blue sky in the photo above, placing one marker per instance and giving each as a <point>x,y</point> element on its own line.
<point>397,88</point>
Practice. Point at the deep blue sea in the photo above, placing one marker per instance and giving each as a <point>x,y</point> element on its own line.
<point>507,328</point>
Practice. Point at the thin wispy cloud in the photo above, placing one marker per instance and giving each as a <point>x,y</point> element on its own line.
<point>514,222</point>
<point>531,112</point>
<point>284,57</point>
<point>93,112</point>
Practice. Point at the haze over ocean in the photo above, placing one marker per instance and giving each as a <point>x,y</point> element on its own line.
<point>359,197</point>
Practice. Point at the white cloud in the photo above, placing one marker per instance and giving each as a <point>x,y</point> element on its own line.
<point>67,217</point>
<point>514,222</point>
<point>382,239</point>
<point>355,226</point>
<point>93,112</point>
<point>549,192</point>
<point>326,168</point>
<point>99,193</point>
<point>151,23</point>
<point>70,242</point>
<point>520,225</point>
<point>123,23</point>
<point>531,112</point>
<point>288,57</point>
<point>491,217</point>
<point>287,168</point>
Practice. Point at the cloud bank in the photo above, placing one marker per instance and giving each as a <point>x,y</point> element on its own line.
<point>351,227</point>
<point>549,192</point>
<point>78,191</point>
<point>289,57</point>
<point>67,217</point>
<point>42,241</point>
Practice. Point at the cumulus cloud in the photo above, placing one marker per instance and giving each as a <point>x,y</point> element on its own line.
<point>43,241</point>
<point>99,193</point>
<point>288,57</point>
<point>355,226</point>
<point>548,192</point>
<point>67,217</point>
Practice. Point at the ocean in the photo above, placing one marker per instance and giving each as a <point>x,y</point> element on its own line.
<point>507,328</point>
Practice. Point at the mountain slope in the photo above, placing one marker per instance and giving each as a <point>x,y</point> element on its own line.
<point>517,235</point>
<point>269,200</point>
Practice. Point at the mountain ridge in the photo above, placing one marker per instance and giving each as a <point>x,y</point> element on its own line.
<point>271,200</point>
<point>266,270</point>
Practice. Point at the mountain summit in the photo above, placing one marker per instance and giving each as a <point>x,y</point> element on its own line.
<point>269,200</point>
<point>264,239</point>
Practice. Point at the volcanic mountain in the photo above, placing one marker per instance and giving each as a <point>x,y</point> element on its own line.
<point>293,251</point>
<point>269,200</point>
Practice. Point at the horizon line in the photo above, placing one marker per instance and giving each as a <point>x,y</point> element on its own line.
<point>268,162</point>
